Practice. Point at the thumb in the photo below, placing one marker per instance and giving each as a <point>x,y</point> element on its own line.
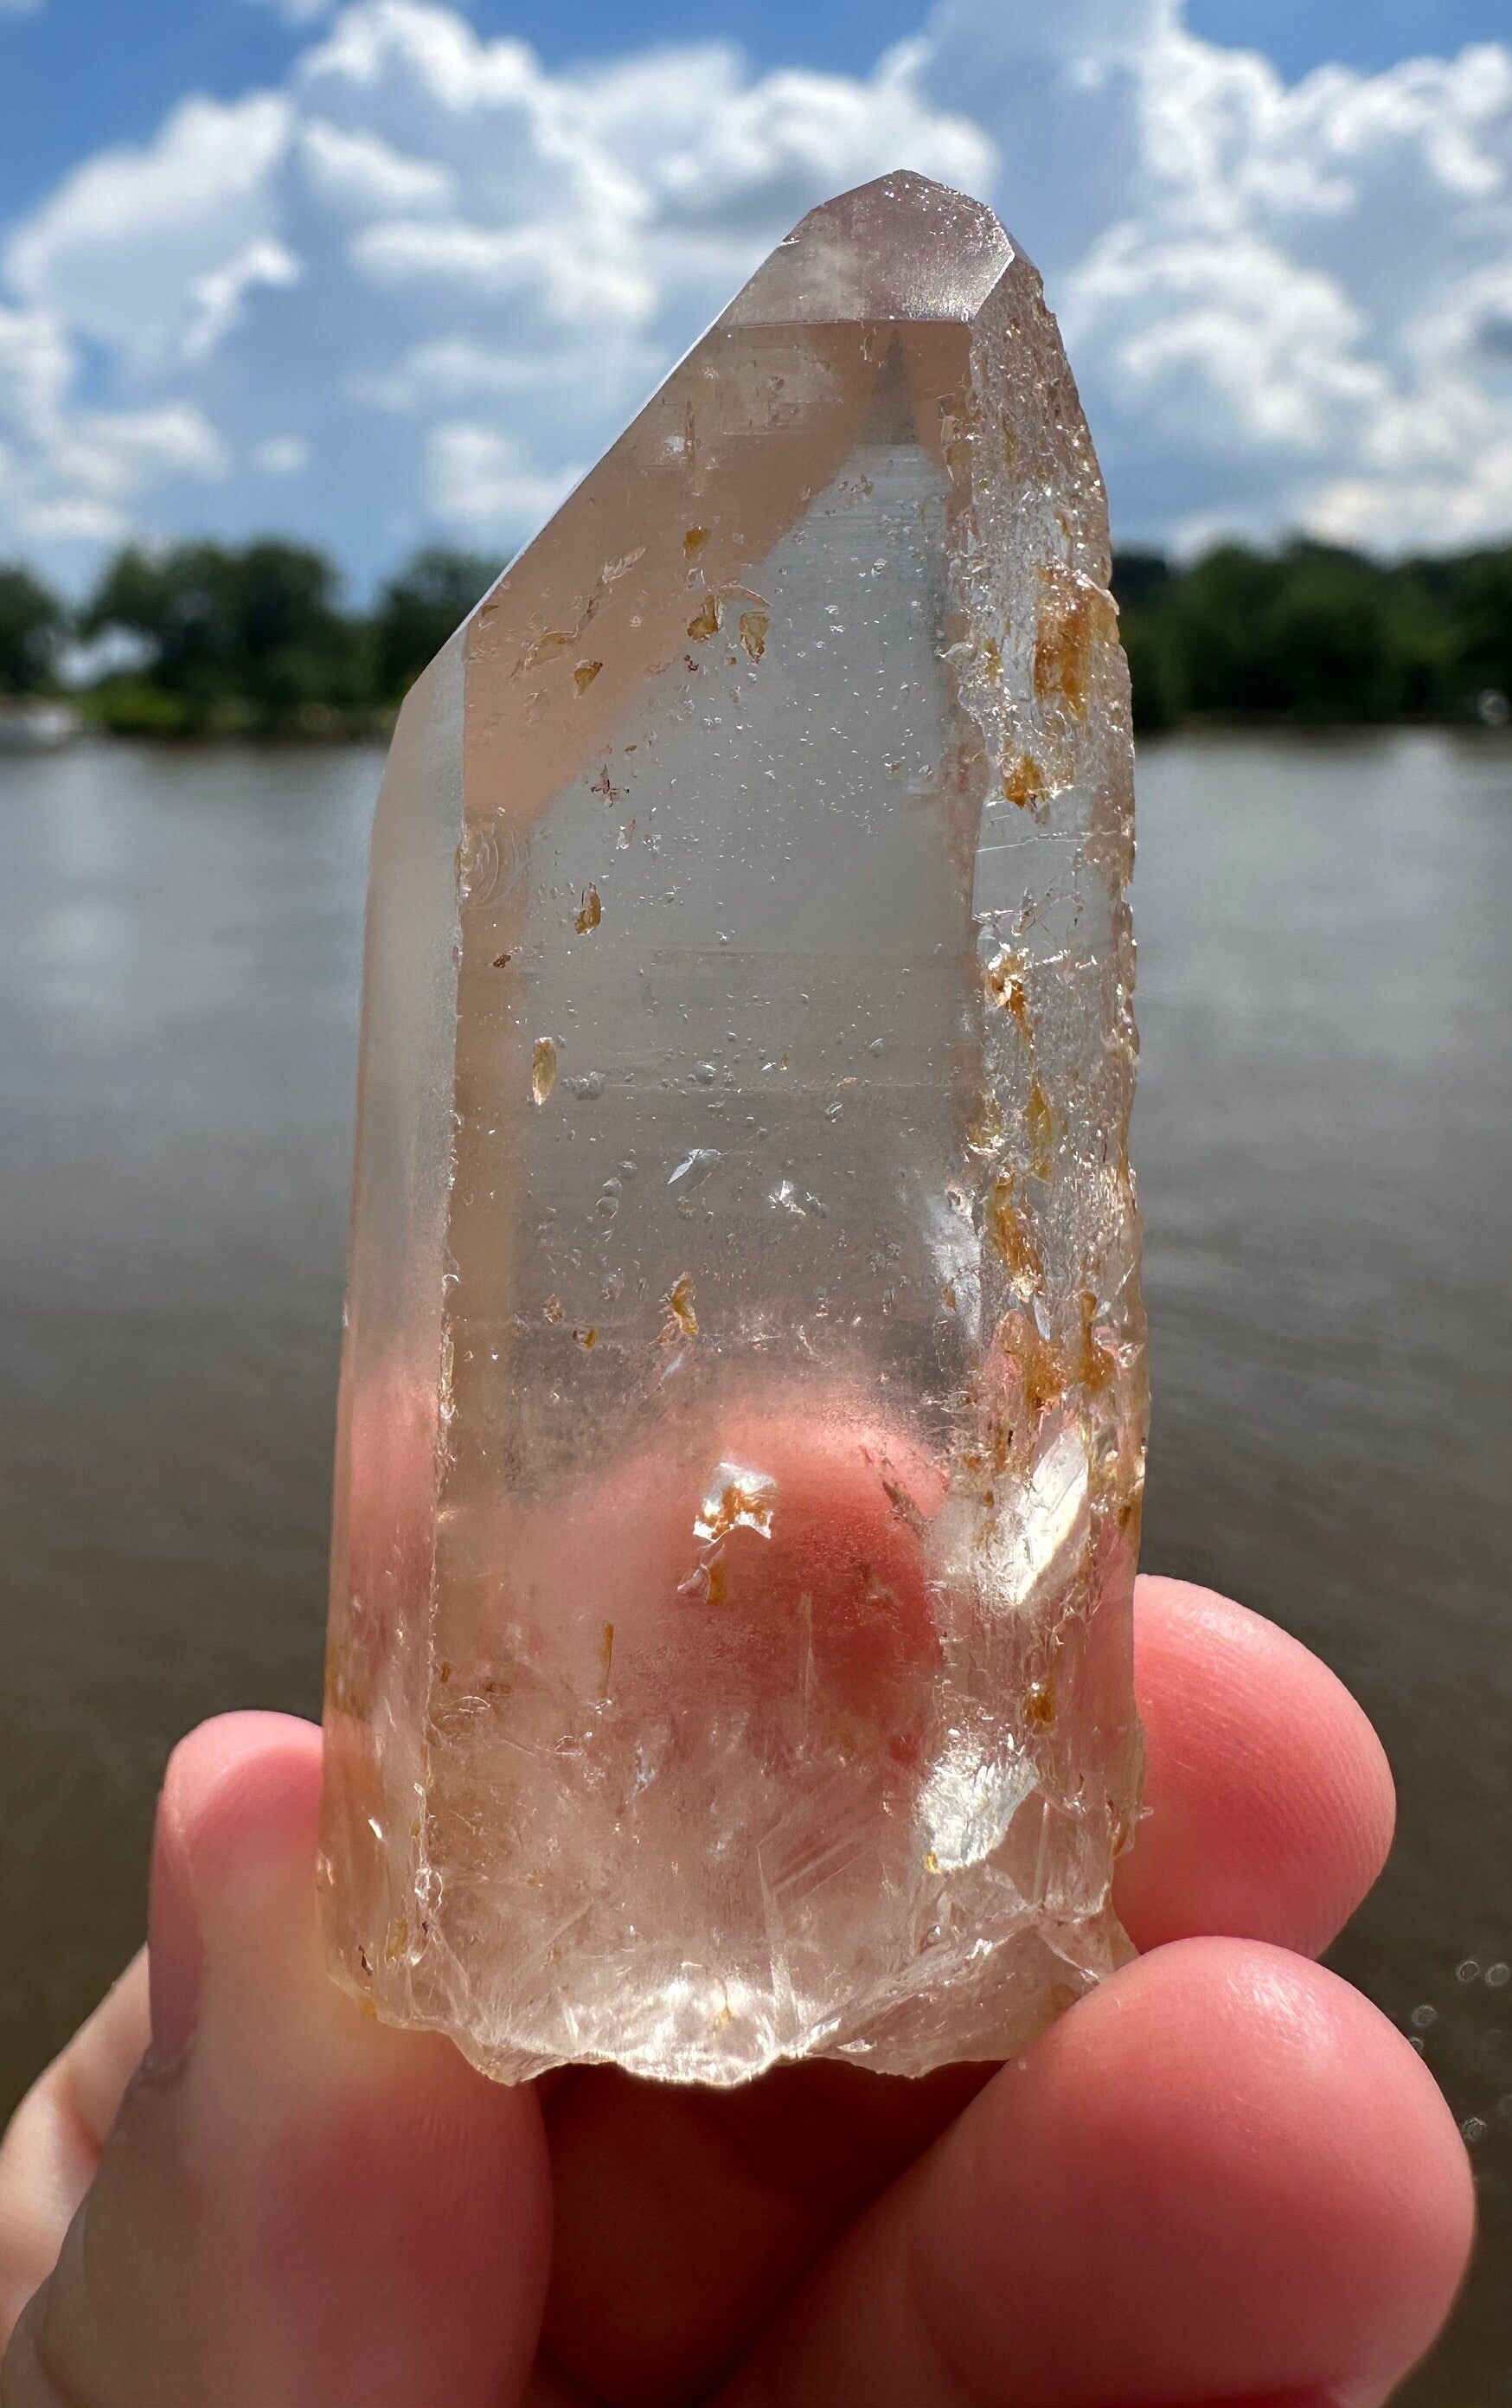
<point>296,2206</point>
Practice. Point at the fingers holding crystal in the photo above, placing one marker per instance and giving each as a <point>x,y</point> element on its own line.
<point>791,1557</point>
<point>1271,1811</point>
<point>1223,2176</point>
<point>1271,1807</point>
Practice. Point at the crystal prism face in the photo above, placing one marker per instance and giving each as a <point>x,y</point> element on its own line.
<point>743,1400</point>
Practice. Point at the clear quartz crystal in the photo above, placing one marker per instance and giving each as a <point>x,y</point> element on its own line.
<point>743,1402</point>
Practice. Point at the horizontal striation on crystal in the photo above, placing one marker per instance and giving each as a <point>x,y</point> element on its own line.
<point>743,1400</point>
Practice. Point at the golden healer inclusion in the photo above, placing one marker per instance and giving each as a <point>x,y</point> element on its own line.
<point>743,1402</point>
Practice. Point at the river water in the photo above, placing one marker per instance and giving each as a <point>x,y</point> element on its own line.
<point>1324,1137</point>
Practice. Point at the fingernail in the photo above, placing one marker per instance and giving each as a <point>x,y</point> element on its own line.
<point>175,1950</point>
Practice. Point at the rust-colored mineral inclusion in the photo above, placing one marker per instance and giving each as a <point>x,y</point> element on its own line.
<point>743,1405</point>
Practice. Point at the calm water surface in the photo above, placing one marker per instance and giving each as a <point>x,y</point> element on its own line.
<point>1325,1143</point>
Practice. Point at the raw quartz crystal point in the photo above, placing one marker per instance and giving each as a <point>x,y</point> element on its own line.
<point>742,1403</point>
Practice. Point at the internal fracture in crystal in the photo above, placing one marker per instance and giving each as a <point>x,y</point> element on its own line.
<point>742,1412</point>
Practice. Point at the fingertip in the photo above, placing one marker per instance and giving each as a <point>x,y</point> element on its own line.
<point>239,1778</point>
<point>240,1784</point>
<point>1260,2171</point>
<point>1270,1801</point>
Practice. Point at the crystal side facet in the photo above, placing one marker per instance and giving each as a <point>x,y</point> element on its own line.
<point>743,1401</point>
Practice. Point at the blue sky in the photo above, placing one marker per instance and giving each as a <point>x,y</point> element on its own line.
<point>382,273</point>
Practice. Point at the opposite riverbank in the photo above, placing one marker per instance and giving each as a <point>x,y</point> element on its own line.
<point>215,641</point>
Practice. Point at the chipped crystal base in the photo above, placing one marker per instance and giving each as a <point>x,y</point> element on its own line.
<point>743,1399</point>
<point>790,1792</point>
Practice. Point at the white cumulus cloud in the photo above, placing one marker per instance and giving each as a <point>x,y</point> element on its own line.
<point>456,271</point>
<point>123,249</point>
<point>367,177</point>
<point>478,480</point>
<point>72,474</point>
<point>217,298</point>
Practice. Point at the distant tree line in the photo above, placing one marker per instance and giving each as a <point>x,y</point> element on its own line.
<point>226,640</point>
<point>1313,634</point>
<point>212,639</point>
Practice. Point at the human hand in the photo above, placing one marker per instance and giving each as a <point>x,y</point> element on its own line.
<point>1220,2176</point>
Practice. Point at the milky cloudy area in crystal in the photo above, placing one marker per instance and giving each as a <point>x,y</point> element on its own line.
<point>743,1400</point>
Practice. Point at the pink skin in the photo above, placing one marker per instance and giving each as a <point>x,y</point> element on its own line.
<point>840,1562</point>
<point>1222,2177</point>
<point>296,2206</point>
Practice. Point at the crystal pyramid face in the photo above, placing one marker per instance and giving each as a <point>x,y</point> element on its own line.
<point>743,1397</point>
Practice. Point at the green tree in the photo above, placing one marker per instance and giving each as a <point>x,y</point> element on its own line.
<point>176,602</point>
<point>1143,585</point>
<point>295,650</point>
<point>1421,633</point>
<point>420,607</point>
<point>1142,580</point>
<point>1219,612</point>
<point>33,622</point>
<point>248,636</point>
<point>1326,640</point>
<point>1480,624</point>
